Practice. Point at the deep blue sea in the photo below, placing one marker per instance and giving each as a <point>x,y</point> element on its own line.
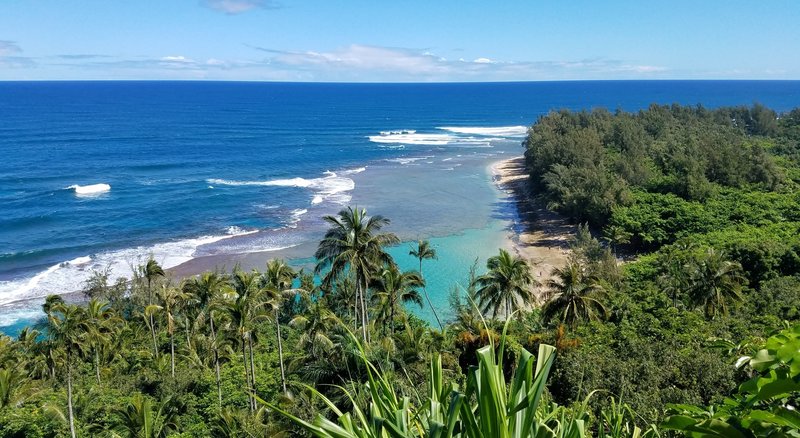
<point>100,175</point>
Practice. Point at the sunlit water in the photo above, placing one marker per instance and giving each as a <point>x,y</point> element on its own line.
<point>104,174</point>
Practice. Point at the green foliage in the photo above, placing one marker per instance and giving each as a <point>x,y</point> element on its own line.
<point>763,406</point>
<point>488,405</point>
<point>586,163</point>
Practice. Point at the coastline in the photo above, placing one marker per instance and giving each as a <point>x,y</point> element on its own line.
<point>536,234</point>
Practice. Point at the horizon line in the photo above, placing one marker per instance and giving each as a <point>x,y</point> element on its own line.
<point>400,82</point>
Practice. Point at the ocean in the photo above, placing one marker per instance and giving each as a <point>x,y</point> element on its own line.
<point>99,175</point>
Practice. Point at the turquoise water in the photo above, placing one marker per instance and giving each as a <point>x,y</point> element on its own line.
<point>104,174</point>
<point>456,254</point>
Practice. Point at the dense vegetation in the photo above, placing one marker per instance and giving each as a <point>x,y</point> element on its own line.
<point>680,339</point>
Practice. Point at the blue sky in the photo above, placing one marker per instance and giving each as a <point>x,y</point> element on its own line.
<point>432,40</point>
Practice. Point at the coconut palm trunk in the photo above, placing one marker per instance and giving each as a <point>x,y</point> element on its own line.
<point>216,359</point>
<point>252,371</point>
<point>69,395</point>
<point>172,352</point>
<point>247,377</point>
<point>428,299</point>
<point>97,364</point>
<point>365,310</point>
<point>280,351</point>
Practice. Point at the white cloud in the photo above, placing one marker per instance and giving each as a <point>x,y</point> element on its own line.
<point>9,57</point>
<point>233,7</point>
<point>8,48</point>
<point>364,62</point>
<point>362,58</point>
<point>647,69</point>
<point>178,59</point>
<point>356,62</point>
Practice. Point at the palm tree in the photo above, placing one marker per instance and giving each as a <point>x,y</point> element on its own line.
<point>355,245</point>
<point>171,298</point>
<point>323,358</point>
<point>715,282</point>
<point>151,271</point>
<point>244,309</point>
<point>100,320</point>
<point>507,284</point>
<point>576,296</point>
<point>424,251</point>
<point>12,388</point>
<point>141,419</point>
<point>316,327</point>
<point>66,328</point>
<point>206,292</point>
<point>616,235</point>
<point>393,287</point>
<point>278,278</point>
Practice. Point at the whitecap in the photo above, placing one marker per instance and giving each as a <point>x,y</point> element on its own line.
<point>90,190</point>
<point>71,275</point>
<point>80,260</point>
<point>501,131</point>
<point>233,230</point>
<point>408,160</point>
<point>295,216</point>
<point>331,187</point>
<point>411,137</point>
<point>354,171</point>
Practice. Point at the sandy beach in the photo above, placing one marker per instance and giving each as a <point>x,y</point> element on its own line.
<point>538,235</point>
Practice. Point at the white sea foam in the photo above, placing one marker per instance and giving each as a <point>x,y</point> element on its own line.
<point>233,230</point>
<point>411,137</point>
<point>408,160</point>
<point>432,139</point>
<point>90,190</point>
<point>11,316</point>
<point>354,171</point>
<point>70,276</point>
<point>331,187</point>
<point>80,260</point>
<point>500,131</point>
<point>296,214</point>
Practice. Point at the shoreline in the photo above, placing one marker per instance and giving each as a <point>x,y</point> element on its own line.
<point>523,232</point>
<point>536,234</point>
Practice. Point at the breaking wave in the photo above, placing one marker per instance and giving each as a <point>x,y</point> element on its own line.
<point>90,190</point>
<point>331,187</point>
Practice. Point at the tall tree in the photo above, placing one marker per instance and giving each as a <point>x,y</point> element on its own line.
<point>507,285</point>
<point>206,292</point>
<point>575,296</point>
<point>100,324</point>
<point>354,244</point>
<point>245,309</point>
<point>66,328</point>
<point>394,288</point>
<point>278,278</point>
<point>152,271</point>
<point>170,299</point>
<point>424,251</point>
